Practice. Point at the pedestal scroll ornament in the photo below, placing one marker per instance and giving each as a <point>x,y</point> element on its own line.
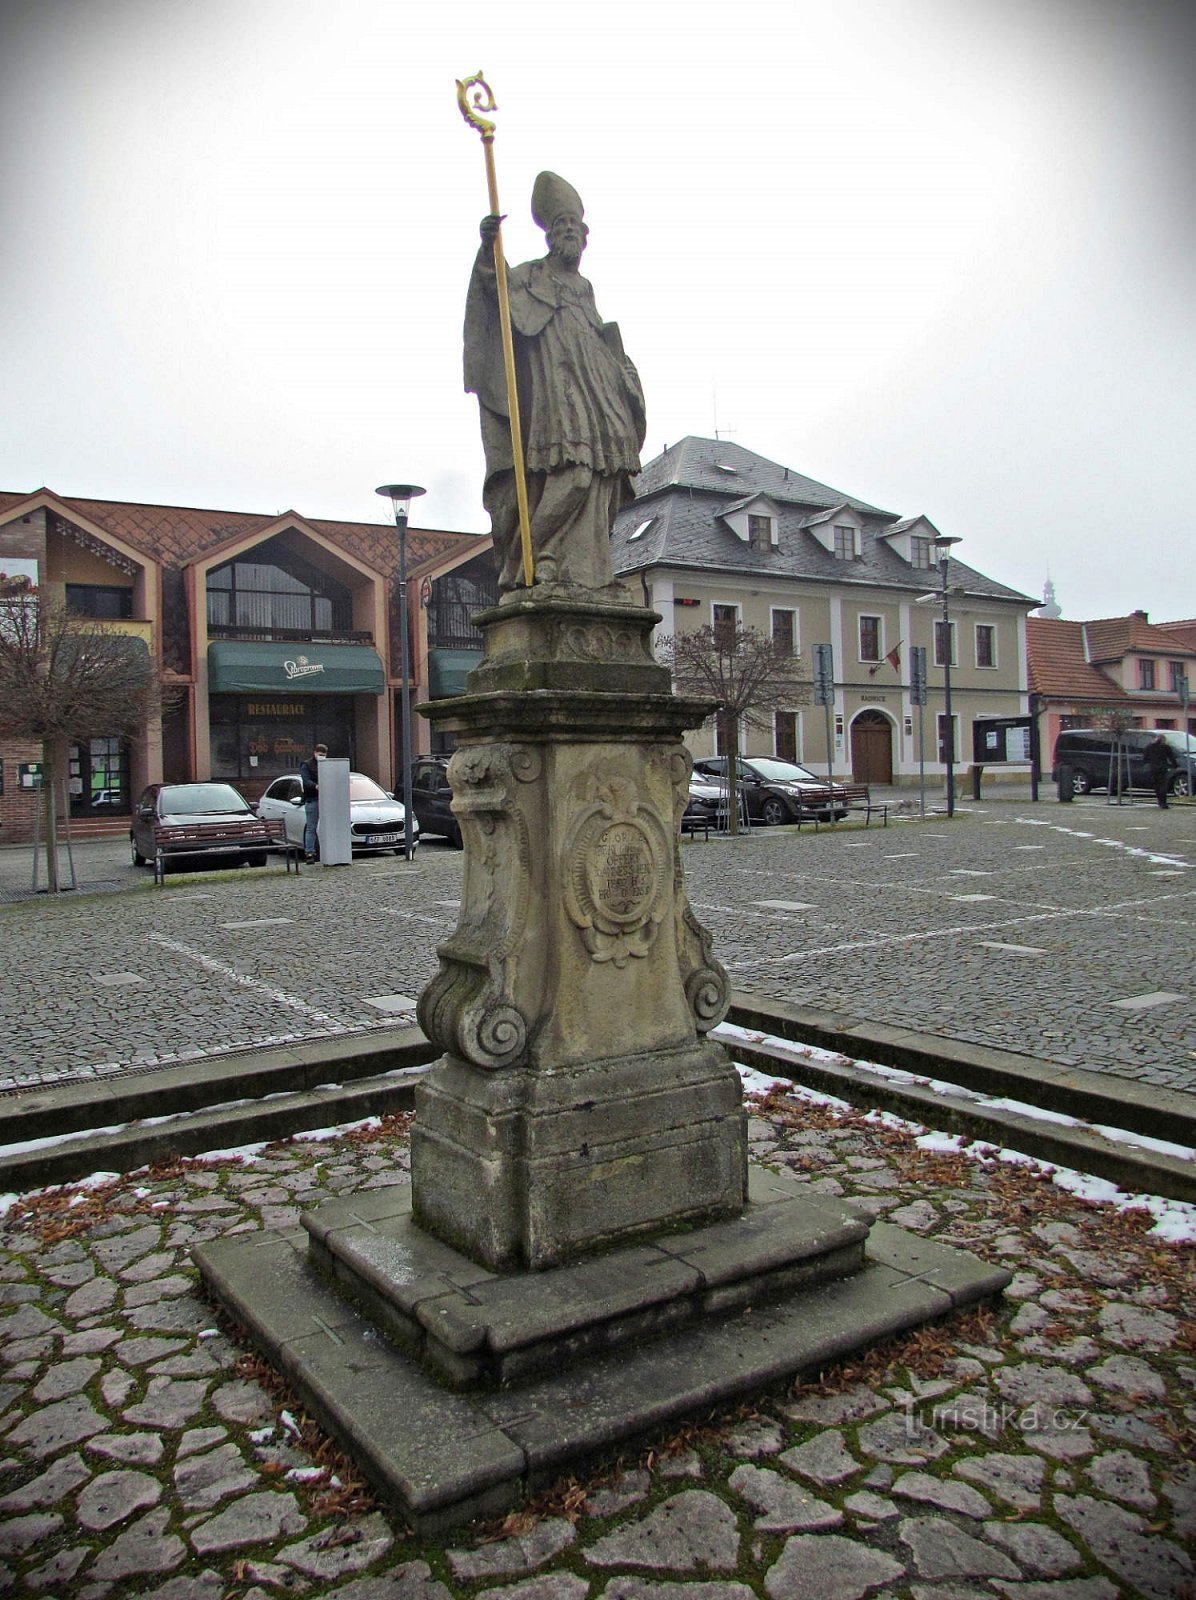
<point>467,1007</point>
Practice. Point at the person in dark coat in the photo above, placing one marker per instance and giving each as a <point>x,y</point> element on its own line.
<point>309,777</point>
<point>1162,761</point>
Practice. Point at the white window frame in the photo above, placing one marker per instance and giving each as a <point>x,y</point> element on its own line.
<point>845,527</point>
<point>953,641</point>
<point>995,663</point>
<point>878,618</point>
<point>798,742</point>
<point>796,615</point>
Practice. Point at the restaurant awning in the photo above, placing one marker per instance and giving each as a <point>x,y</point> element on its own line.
<point>236,666</point>
<point>448,669</point>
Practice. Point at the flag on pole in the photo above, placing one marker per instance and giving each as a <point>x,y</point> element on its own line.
<point>894,656</point>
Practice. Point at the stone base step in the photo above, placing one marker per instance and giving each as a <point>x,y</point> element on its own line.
<point>439,1457</point>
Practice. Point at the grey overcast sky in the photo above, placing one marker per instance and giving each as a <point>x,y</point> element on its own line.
<point>939,254</point>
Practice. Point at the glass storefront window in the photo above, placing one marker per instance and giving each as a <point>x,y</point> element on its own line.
<point>263,736</point>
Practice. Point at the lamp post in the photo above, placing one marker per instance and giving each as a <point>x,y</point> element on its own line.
<point>400,496</point>
<point>943,544</point>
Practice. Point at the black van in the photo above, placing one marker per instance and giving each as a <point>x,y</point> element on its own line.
<point>1101,760</point>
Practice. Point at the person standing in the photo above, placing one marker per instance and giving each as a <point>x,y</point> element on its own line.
<point>309,777</point>
<point>1162,761</point>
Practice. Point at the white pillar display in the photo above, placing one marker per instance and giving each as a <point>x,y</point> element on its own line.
<point>336,843</point>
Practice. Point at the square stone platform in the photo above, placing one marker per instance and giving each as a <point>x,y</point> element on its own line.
<point>458,1390</point>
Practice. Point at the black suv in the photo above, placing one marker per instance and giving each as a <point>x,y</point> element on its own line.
<point>431,798</point>
<point>1098,760</point>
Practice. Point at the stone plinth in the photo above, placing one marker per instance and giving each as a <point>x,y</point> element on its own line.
<point>578,1101</point>
<point>578,1259</point>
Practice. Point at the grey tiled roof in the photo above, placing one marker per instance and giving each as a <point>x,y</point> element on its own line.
<point>686,496</point>
<point>694,463</point>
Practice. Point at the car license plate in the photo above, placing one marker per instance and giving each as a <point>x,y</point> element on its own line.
<point>383,838</point>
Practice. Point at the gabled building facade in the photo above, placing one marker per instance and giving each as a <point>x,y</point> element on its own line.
<point>718,534</point>
<point>1127,665</point>
<point>271,632</point>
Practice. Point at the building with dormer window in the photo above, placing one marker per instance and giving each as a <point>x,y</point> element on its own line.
<point>273,632</point>
<point>720,536</point>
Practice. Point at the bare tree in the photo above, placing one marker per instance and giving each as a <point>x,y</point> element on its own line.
<point>747,674</point>
<point>66,678</point>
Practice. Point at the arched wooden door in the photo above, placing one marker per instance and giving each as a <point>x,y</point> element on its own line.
<point>872,748</point>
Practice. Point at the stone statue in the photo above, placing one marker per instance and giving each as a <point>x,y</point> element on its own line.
<point>580,402</point>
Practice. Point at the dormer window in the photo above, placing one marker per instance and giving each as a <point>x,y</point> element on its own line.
<point>846,548</point>
<point>760,532</point>
<point>921,553</point>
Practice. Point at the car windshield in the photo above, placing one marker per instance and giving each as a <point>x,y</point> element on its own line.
<point>1182,743</point>
<point>212,799</point>
<point>363,788</point>
<point>782,772</point>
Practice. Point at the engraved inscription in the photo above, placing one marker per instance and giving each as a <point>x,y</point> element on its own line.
<point>623,877</point>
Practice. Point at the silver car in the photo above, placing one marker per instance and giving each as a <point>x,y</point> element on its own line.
<point>377,819</point>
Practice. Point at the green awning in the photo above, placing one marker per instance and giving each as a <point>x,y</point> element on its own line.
<point>238,667</point>
<point>448,669</point>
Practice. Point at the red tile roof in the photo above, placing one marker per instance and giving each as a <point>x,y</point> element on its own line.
<point>1058,665</point>
<point>1112,638</point>
<point>1183,632</point>
<point>179,535</point>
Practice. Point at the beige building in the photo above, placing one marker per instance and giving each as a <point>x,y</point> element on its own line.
<point>717,534</point>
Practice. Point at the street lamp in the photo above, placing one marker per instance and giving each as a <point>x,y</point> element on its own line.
<point>943,544</point>
<point>400,496</point>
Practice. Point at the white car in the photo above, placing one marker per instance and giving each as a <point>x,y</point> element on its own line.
<point>377,819</point>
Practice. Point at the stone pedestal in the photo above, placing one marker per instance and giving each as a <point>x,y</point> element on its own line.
<point>578,1259</point>
<point>578,1102</point>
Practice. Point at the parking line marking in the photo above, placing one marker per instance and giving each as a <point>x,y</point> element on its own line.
<point>223,970</point>
<point>390,1002</point>
<point>1143,1002</point>
<point>971,897</point>
<point>1016,949</point>
<point>258,922</point>
<point>911,938</point>
<point>787,905</point>
<point>115,979</point>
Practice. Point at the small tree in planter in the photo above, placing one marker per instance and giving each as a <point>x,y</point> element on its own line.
<point>65,678</point>
<point>748,675</point>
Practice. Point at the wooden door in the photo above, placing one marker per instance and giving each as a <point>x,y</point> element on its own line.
<point>872,748</point>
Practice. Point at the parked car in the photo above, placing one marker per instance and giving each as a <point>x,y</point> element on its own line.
<point>1100,760</point>
<point>377,820</point>
<point>707,804</point>
<point>773,791</point>
<point>431,798</point>
<point>211,819</point>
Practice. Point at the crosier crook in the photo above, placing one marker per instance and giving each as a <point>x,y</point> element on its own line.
<point>470,106</point>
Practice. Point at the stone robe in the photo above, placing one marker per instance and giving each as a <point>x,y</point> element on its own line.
<point>582,413</point>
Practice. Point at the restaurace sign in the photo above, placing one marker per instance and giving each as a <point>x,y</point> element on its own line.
<point>302,668</point>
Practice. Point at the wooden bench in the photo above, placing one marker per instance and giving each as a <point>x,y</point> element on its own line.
<point>204,839</point>
<point>852,798</point>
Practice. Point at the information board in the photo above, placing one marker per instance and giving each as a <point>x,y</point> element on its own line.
<point>997,741</point>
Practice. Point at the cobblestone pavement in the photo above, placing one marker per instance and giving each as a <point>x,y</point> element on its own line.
<point>1044,1450</point>
<point>1066,931</point>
